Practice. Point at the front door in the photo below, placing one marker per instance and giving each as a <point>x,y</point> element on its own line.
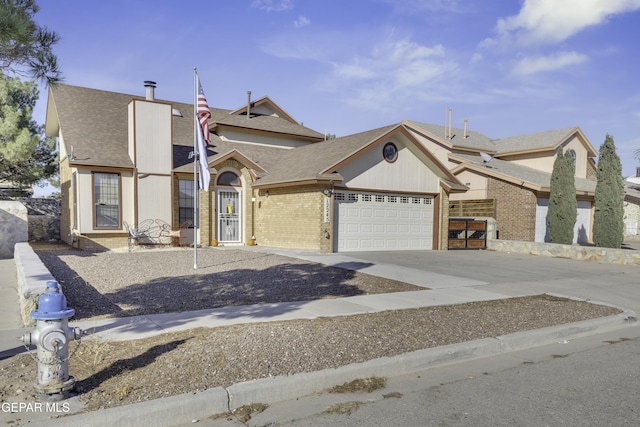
<point>229,215</point>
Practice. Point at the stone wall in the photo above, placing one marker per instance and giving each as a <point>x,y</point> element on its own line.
<point>586,253</point>
<point>14,228</point>
<point>27,219</point>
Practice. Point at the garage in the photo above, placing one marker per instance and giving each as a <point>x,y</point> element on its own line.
<point>383,222</point>
<point>581,231</point>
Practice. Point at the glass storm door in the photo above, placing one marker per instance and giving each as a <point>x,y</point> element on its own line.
<point>229,215</point>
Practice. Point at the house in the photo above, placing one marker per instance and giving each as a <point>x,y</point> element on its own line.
<point>514,175</point>
<point>632,206</point>
<point>124,159</point>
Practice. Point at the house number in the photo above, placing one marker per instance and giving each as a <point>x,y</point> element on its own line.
<point>327,205</point>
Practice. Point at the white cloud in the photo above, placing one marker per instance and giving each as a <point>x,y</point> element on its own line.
<point>302,21</point>
<point>535,64</point>
<point>391,73</point>
<point>272,5</point>
<point>552,21</point>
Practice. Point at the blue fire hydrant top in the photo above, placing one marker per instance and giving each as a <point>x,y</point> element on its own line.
<point>52,304</point>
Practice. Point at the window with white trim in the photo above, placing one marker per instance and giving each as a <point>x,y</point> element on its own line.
<point>185,200</point>
<point>106,200</point>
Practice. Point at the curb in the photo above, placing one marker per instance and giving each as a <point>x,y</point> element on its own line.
<point>189,406</point>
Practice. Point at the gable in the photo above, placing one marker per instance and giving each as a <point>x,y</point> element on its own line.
<point>414,169</point>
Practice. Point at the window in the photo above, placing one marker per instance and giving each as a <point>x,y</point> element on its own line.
<point>229,178</point>
<point>352,197</point>
<point>339,196</point>
<point>106,200</point>
<point>390,152</point>
<point>573,157</point>
<point>185,200</point>
<point>379,198</point>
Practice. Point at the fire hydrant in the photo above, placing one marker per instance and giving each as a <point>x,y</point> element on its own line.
<point>52,336</point>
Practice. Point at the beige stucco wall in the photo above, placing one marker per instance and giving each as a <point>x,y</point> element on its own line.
<point>477,186</point>
<point>631,219</point>
<point>544,161</point>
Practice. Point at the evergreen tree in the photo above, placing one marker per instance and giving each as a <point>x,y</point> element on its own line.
<point>608,219</point>
<point>563,206</point>
<point>26,157</point>
<point>25,47</point>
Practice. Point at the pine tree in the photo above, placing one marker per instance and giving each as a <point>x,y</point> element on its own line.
<point>26,157</point>
<point>26,49</point>
<point>608,219</point>
<point>563,206</point>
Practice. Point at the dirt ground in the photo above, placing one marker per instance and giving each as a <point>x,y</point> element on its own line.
<point>119,373</point>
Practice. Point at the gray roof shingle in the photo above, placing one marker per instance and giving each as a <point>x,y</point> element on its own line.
<point>523,173</point>
<point>94,122</point>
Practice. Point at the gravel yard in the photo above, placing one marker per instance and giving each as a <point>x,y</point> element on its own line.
<point>120,284</point>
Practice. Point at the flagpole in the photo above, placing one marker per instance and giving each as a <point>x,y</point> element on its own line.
<point>196,202</point>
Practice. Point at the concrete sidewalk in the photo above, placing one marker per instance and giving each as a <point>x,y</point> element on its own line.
<point>445,290</point>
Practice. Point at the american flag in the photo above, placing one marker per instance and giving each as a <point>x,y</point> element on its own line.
<point>203,113</point>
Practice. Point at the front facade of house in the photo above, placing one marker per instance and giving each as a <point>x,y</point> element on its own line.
<point>124,163</point>
<point>274,182</point>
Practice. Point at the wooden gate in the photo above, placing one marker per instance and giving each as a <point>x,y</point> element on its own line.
<point>467,233</point>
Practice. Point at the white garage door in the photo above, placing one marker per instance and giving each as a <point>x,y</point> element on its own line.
<point>382,222</point>
<point>581,231</point>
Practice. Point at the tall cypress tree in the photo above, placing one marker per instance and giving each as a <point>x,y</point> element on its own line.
<point>608,219</point>
<point>563,206</point>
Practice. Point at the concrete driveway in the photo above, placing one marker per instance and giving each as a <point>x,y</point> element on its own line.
<point>517,274</point>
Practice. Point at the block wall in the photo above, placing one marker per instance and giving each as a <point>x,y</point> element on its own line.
<point>515,210</point>
<point>292,217</point>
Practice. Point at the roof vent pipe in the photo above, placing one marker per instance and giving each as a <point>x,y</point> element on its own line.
<point>450,117</point>
<point>150,86</point>
<point>465,127</point>
<point>248,104</point>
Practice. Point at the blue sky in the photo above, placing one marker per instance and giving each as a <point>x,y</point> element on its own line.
<point>510,67</point>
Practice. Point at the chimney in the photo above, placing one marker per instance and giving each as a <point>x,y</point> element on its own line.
<point>150,86</point>
<point>465,127</point>
<point>248,104</point>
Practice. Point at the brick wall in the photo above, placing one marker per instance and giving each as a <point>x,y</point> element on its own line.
<point>515,210</point>
<point>292,217</point>
<point>444,223</point>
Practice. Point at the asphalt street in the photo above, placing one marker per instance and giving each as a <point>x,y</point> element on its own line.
<point>590,381</point>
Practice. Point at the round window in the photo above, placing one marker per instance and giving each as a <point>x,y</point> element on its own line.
<point>390,152</point>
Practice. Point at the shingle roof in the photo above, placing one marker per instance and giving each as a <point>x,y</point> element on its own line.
<point>533,141</point>
<point>269,124</point>
<point>310,162</point>
<point>94,122</point>
<point>473,140</point>
<point>90,122</point>
<point>525,174</point>
<point>477,141</point>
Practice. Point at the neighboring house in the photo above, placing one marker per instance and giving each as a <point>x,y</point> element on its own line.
<point>514,174</point>
<point>632,205</point>
<point>124,159</point>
